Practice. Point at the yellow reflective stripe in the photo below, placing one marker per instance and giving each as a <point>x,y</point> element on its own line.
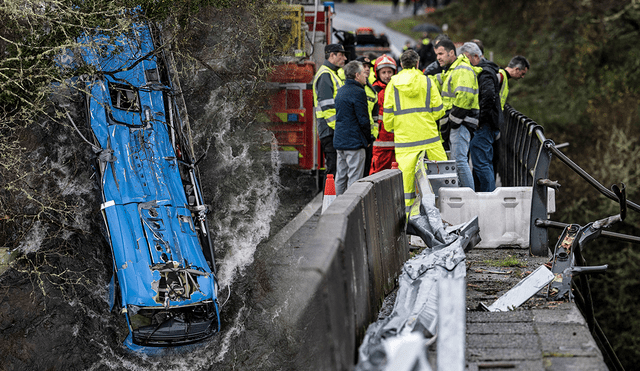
<point>439,108</point>
<point>466,89</point>
<point>463,67</point>
<point>448,95</point>
<point>413,110</point>
<point>396,96</point>
<point>418,143</point>
<point>326,102</point>
<point>427,108</point>
<point>451,93</point>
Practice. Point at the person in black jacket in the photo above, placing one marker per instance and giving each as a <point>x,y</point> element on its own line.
<point>481,146</point>
<point>353,126</point>
<point>426,52</point>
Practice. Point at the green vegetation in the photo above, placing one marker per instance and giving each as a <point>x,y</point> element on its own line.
<point>509,261</point>
<point>583,88</point>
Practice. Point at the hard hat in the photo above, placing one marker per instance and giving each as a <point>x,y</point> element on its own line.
<point>385,61</point>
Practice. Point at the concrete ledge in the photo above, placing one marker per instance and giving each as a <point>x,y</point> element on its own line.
<point>532,339</point>
<point>332,287</point>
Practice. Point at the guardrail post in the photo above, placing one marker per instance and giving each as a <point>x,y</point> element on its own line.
<point>538,236</point>
<point>452,321</point>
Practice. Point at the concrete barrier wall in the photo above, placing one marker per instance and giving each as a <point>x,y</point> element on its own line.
<point>343,273</point>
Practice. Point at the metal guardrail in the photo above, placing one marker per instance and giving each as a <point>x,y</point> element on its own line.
<point>524,155</point>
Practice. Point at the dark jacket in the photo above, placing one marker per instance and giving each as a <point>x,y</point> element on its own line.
<point>432,69</point>
<point>427,55</point>
<point>489,95</point>
<point>353,127</point>
<point>323,88</point>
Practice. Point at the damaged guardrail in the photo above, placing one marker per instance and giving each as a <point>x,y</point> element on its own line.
<point>524,155</point>
<point>430,298</point>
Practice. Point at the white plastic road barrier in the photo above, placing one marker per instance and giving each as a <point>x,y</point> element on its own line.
<point>503,215</point>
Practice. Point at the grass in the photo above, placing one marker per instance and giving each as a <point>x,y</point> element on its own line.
<point>509,261</point>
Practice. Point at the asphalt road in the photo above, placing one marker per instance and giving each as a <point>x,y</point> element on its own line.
<point>350,16</point>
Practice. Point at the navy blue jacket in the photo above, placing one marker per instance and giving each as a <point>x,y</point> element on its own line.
<point>353,126</point>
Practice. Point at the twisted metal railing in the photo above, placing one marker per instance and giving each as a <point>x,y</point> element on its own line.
<point>523,156</point>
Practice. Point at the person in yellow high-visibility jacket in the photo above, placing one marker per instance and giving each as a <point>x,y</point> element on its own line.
<point>516,69</point>
<point>326,83</point>
<point>459,89</point>
<point>412,106</point>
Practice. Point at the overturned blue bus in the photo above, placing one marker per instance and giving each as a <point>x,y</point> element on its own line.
<point>163,257</point>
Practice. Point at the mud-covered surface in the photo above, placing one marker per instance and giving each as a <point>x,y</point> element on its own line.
<point>493,272</point>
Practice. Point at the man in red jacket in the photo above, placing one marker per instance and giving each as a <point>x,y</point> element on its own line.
<point>383,147</point>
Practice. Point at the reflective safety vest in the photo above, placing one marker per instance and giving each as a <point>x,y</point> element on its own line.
<point>385,138</point>
<point>504,90</point>
<point>372,76</point>
<point>325,109</point>
<point>460,93</point>
<point>372,99</point>
<point>412,106</point>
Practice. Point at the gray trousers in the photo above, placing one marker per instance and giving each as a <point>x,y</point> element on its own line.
<point>350,168</point>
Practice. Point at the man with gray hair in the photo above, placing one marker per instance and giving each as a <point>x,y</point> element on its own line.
<point>489,120</point>
<point>472,51</point>
<point>353,126</point>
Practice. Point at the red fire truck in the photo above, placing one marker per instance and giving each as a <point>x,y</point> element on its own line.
<point>290,113</point>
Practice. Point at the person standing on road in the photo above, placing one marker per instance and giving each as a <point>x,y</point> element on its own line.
<point>481,146</point>
<point>325,87</point>
<point>383,147</point>
<point>412,106</point>
<point>459,89</point>
<point>353,127</point>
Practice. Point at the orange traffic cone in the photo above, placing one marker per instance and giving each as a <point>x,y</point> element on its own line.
<point>329,192</point>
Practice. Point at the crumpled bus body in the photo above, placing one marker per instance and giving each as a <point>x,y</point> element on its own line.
<point>155,217</point>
